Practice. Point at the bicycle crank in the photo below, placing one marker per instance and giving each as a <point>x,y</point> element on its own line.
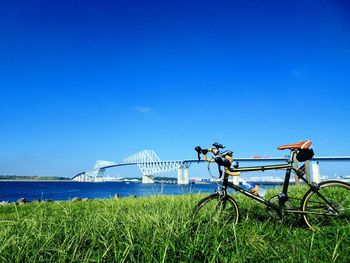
<point>274,213</point>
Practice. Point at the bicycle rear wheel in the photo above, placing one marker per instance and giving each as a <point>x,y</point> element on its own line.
<point>329,206</point>
<point>216,208</point>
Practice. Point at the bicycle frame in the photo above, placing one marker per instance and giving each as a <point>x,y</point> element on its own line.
<point>315,205</point>
<point>283,196</point>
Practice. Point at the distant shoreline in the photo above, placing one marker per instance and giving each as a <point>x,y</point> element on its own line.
<point>33,180</point>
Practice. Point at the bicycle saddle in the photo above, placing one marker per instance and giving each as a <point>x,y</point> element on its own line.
<point>304,145</point>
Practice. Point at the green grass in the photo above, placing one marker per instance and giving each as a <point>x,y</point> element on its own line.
<point>158,229</point>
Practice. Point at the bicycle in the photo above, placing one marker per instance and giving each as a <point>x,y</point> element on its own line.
<point>326,203</point>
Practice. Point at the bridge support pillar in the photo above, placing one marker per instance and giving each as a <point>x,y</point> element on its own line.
<point>147,180</point>
<point>179,176</point>
<point>98,179</point>
<point>316,172</point>
<point>182,179</point>
<point>185,178</point>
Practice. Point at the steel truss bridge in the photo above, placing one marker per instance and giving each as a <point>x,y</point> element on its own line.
<point>148,162</point>
<point>150,165</point>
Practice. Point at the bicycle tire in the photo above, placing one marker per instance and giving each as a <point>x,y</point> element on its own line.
<point>216,208</point>
<point>318,213</point>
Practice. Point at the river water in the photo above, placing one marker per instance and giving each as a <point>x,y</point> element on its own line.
<point>66,190</point>
<point>62,190</point>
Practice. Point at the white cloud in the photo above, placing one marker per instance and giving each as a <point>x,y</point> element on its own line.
<point>143,109</point>
<point>297,73</point>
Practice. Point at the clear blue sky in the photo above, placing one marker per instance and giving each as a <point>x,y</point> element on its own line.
<point>88,80</point>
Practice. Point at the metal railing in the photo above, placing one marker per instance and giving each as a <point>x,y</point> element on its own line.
<point>310,166</point>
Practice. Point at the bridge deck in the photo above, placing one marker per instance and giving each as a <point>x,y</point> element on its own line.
<point>190,161</point>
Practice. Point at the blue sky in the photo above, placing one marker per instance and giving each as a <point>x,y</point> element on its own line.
<point>88,80</point>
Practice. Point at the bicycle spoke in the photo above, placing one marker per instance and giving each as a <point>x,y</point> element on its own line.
<point>329,206</point>
<point>215,209</point>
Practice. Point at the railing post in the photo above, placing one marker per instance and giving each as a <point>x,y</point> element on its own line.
<point>307,170</point>
<point>236,180</point>
<point>316,172</point>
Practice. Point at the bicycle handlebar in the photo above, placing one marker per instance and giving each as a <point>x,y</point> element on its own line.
<point>218,145</point>
<point>222,159</point>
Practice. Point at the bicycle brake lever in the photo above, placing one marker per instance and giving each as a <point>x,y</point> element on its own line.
<point>220,171</point>
<point>219,162</point>
<point>198,149</point>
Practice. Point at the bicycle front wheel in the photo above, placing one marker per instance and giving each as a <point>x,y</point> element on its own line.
<point>329,206</point>
<point>216,208</point>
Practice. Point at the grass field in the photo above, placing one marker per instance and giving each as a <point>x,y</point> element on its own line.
<point>158,229</point>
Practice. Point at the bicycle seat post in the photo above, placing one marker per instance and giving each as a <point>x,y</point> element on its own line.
<point>293,153</point>
<point>283,196</point>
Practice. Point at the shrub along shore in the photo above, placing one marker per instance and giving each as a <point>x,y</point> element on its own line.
<point>159,229</point>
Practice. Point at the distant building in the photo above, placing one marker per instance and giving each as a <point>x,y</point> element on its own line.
<point>200,180</point>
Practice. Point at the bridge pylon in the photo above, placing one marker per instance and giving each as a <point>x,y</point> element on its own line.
<point>151,166</point>
<point>182,173</point>
<point>147,179</point>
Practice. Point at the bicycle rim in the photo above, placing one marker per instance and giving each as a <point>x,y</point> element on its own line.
<point>335,213</point>
<point>216,209</point>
